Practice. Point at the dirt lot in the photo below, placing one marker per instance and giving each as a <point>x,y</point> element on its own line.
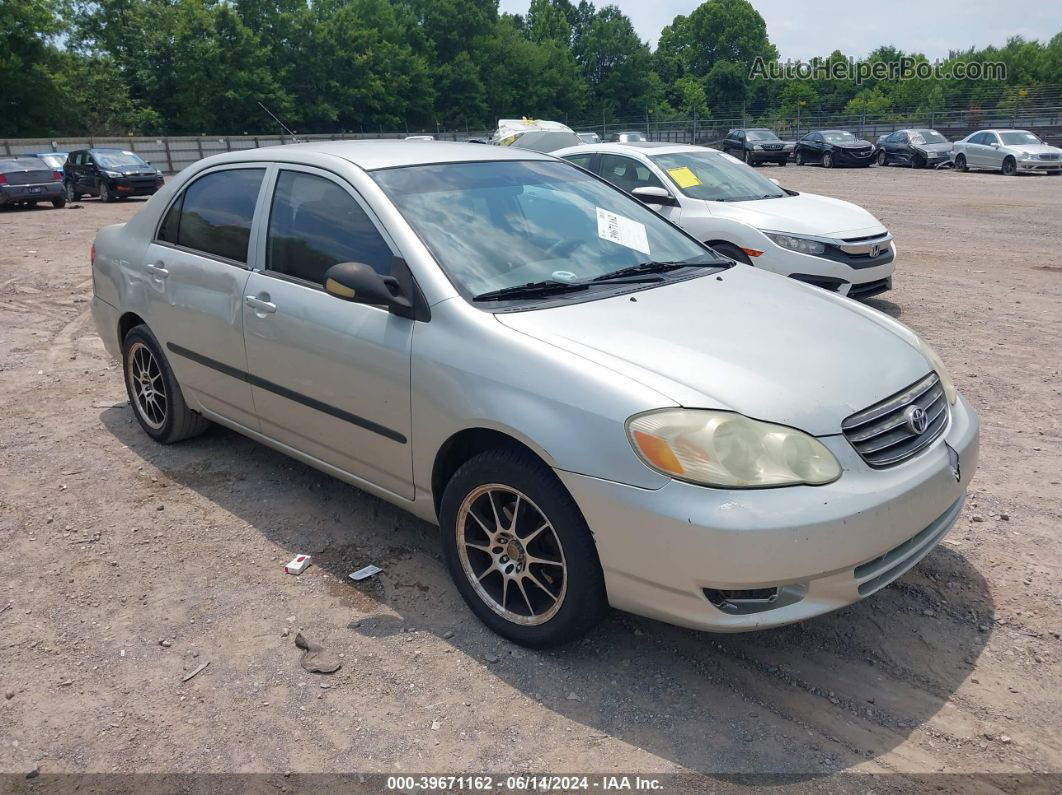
<point>127,565</point>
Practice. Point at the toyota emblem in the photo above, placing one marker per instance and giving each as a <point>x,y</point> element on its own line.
<point>917,420</point>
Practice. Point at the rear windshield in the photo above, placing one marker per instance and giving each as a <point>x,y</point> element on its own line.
<point>23,163</point>
<point>55,161</point>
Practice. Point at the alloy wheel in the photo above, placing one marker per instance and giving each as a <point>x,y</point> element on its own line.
<point>511,554</point>
<point>148,385</point>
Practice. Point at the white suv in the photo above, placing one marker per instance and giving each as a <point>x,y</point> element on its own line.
<point>827,242</point>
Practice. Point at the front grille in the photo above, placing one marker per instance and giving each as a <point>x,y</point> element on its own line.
<point>1049,157</point>
<point>887,433</point>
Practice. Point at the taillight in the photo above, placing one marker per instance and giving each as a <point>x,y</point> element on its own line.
<point>3,179</point>
<point>57,176</point>
<point>92,255</point>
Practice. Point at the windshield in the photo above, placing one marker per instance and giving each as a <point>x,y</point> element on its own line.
<point>506,223</point>
<point>761,135</point>
<point>1019,139</point>
<point>55,161</point>
<point>838,137</point>
<point>716,177</point>
<point>117,159</point>
<point>927,137</point>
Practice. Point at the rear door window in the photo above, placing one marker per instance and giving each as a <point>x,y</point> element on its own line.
<point>628,174</point>
<point>213,215</point>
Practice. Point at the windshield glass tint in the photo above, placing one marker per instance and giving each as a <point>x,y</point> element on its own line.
<point>1018,138</point>
<point>118,159</point>
<point>761,135</point>
<point>838,137</point>
<point>506,223</point>
<point>927,137</point>
<point>716,177</point>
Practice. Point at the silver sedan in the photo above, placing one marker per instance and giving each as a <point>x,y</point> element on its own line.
<point>595,407</point>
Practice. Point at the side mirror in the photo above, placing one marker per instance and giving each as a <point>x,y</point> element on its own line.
<point>652,195</point>
<point>994,145</point>
<point>360,284</point>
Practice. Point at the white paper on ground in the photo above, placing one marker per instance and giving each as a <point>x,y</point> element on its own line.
<point>624,231</point>
<point>368,571</point>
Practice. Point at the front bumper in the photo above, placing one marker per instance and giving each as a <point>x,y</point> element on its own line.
<point>844,157</point>
<point>135,186</point>
<point>39,192</point>
<point>1035,166</point>
<point>666,551</point>
<point>772,156</point>
<point>830,274</point>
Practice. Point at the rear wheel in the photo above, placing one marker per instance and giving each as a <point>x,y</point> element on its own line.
<point>1010,167</point>
<point>827,160</point>
<point>960,163</point>
<point>883,159</point>
<point>153,390</point>
<point>519,550</point>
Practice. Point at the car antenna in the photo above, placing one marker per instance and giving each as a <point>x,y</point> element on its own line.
<point>283,126</point>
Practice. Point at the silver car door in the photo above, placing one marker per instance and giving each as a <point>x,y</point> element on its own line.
<point>194,273</point>
<point>329,377</point>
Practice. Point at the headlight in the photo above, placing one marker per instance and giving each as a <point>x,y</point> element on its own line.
<point>113,174</point>
<point>720,448</point>
<point>800,244</point>
<point>942,372</point>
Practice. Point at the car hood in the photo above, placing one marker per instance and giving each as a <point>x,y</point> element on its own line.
<point>859,144</point>
<point>1036,149</point>
<point>803,214</point>
<point>750,341</point>
<point>942,147</point>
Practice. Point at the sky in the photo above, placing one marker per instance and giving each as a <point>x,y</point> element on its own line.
<point>802,30</point>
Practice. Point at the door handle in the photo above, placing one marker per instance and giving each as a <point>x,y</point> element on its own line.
<point>259,304</point>
<point>156,269</point>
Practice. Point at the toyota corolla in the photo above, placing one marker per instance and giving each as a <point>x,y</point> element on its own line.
<point>594,407</point>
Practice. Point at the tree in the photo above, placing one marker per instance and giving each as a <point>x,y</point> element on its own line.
<point>616,63</point>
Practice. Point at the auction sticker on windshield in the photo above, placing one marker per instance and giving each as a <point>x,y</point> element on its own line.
<point>683,177</point>
<point>621,230</point>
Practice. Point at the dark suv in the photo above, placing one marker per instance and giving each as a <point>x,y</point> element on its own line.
<point>757,145</point>
<point>110,174</point>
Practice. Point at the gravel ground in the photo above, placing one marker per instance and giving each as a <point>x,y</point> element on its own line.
<point>128,565</point>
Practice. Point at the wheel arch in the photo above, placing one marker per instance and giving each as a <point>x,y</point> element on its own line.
<point>127,322</point>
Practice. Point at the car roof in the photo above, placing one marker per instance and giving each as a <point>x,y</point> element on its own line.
<point>1002,130</point>
<point>631,147</point>
<point>374,153</point>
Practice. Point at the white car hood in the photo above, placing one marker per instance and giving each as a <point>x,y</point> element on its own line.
<point>805,214</point>
<point>1037,149</point>
<point>753,342</point>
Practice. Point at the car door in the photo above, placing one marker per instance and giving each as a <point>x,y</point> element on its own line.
<point>78,171</point>
<point>628,173</point>
<point>993,151</point>
<point>193,276</point>
<point>902,148</point>
<point>975,150</point>
<point>330,378</point>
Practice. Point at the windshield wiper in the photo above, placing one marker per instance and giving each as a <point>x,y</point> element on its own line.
<point>531,289</point>
<point>661,267</point>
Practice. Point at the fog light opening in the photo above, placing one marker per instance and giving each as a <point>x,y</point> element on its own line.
<point>733,598</point>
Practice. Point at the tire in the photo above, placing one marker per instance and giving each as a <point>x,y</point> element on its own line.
<point>917,161</point>
<point>798,158</point>
<point>827,160</point>
<point>747,157</point>
<point>163,414</point>
<point>481,495</point>
<point>732,251</point>
<point>882,159</point>
<point>1010,167</point>
<point>59,203</point>
<point>960,163</point>
<point>71,194</point>
<point>105,192</point>
<point>781,162</point>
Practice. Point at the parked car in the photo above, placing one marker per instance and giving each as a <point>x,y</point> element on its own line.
<point>833,148</point>
<point>1008,151</point>
<point>28,180</point>
<point>608,413</point>
<point>55,160</point>
<point>916,148</point>
<point>757,145</point>
<point>110,174</point>
<point>744,216</point>
<point>630,136</point>
<point>589,137</point>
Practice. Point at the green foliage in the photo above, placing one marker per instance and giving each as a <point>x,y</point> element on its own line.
<point>70,67</point>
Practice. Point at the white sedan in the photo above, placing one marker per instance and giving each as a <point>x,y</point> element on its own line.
<point>826,242</point>
<point>1008,151</point>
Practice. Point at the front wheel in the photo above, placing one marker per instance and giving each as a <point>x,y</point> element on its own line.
<point>153,390</point>
<point>960,163</point>
<point>105,192</point>
<point>883,159</point>
<point>1010,167</point>
<point>799,157</point>
<point>827,160</point>
<point>71,194</point>
<point>59,203</point>
<point>747,157</point>
<point>519,550</point>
